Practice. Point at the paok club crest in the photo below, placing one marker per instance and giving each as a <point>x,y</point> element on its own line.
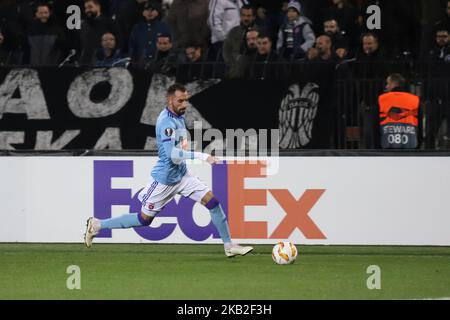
<point>297,113</point>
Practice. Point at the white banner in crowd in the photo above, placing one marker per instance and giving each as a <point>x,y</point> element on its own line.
<point>308,200</point>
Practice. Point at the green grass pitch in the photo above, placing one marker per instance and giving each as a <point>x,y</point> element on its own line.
<point>158,271</point>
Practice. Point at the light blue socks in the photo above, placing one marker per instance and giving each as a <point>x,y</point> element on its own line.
<point>124,221</point>
<point>219,219</point>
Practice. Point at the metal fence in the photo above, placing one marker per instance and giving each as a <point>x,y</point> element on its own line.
<point>357,86</point>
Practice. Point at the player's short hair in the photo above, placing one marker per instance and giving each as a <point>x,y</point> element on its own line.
<point>175,87</point>
<point>398,79</point>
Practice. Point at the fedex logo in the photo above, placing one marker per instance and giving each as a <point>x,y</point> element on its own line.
<point>228,187</point>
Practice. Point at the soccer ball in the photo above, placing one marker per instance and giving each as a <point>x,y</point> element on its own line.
<point>284,253</point>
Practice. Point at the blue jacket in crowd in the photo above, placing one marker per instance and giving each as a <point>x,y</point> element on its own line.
<point>143,40</point>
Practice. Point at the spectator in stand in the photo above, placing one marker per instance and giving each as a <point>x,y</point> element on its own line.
<point>296,36</point>
<point>370,50</point>
<point>127,14</point>
<point>234,44</point>
<point>440,25</point>
<point>45,42</point>
<point>248,53</point>
<point>193,53</point>
<point>187,19</point>
<point>347,18</point>
<point>109,55</point>
<point>92,30</point>
<point>144,36</point>
<point>223,16</point>
<point>400,27</point>
<point>265,64</point>
<point>323,50</point>
<point>251,42</point>
<point>441,51</point>
<point>193,63</point>
<point>371,61</point>
<point>165,58</point>
<point>340,43</point>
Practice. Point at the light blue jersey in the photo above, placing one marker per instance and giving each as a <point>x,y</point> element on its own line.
<point>170,131</point>
<point>169,178</point>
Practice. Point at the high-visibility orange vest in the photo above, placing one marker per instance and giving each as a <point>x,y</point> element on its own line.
<point>399,119</point>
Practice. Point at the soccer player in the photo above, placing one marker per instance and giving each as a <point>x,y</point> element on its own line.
<point>170,177</point>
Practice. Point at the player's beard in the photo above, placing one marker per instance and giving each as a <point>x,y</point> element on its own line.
<point>181,111</point>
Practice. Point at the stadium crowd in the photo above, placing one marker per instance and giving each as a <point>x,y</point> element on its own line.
<point>242,36</point>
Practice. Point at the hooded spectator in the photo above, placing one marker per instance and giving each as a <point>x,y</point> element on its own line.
<point>127,15</point>
<point>296,36</point>
<point>144,36</point>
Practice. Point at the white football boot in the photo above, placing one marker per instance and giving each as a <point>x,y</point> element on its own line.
<point>236,250</point>
<point>92,229</point>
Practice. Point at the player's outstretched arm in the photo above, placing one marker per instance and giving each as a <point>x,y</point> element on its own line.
<point>177,155</point>
<point>204,156</point>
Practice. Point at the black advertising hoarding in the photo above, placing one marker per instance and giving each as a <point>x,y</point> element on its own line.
<point>116,108</point>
